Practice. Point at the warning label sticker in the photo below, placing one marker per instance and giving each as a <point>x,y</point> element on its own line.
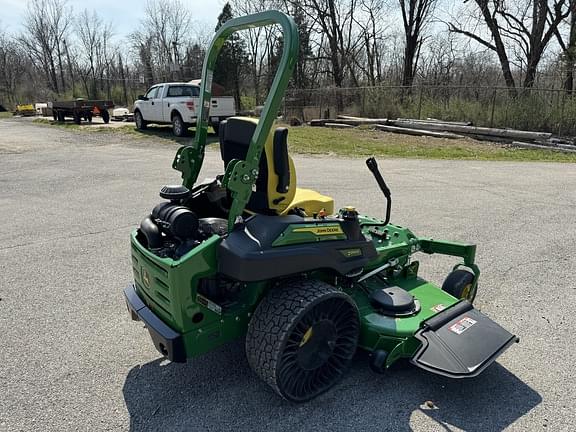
<point>462,325</point>
<point>438,308</point>
<point>200,299</point>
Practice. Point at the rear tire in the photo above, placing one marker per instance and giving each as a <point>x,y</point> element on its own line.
<point>141,124</point>
<point>460,284</point>
<point>178,127</point>
<point>105,116</point>
<point>302,338</point>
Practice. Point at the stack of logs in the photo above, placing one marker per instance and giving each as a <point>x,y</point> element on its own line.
<point>453,130</point>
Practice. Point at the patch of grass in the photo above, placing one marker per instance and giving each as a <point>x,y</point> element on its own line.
<point>361,142</point>
<point>357,142</point>
<point>154,132</point>
<point>6,114</point>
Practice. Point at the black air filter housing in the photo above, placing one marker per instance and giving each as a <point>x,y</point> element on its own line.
<point>176,220</point>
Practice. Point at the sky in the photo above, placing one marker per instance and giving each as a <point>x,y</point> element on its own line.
<point>124,14</point>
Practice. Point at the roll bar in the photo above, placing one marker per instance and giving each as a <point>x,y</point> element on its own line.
<point>240,175</point>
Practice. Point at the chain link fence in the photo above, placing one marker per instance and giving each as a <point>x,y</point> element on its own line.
<point>547,110</point>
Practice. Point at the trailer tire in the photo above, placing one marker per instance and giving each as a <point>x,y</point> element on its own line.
<point>77,118</point>
<point>55,115</point>
<point>61,117</point>
<point>141,124</point>
<point>105,116</point>
<point>178,126</point>
<point>302,338</point>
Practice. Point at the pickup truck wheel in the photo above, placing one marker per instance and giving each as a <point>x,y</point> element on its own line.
<point>178,126</point>
<point>141,124</point>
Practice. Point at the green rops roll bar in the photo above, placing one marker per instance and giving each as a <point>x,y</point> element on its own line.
<point>240,175</point>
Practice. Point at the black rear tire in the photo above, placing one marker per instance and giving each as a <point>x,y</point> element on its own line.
<point>460,284</point>
<point>141,124</point>
<point>105,116</point>
<point>302,338</point>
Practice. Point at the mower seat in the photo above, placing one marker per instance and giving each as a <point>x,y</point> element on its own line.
<point>276,192</point>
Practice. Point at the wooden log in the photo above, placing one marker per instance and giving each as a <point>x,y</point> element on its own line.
<point>324,122</point>
<point>542,147</point>
<point>338,126</point>
<point>434,121</point>
<point>363,120</point>
<point>504,133</point>
<point>418,132</point>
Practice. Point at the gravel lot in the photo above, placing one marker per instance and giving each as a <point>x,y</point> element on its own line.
<point>72,359</point>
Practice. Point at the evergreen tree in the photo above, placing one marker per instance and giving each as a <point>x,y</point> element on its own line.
<point>232,59</point>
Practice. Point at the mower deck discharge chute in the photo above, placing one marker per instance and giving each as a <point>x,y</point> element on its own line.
<point>249,254</point>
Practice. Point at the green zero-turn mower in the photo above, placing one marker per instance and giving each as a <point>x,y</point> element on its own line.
<point>248,254</point>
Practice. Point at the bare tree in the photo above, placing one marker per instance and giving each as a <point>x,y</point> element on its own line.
<point>93,34</point>
<point>415,15</point>
<point>46,24</point>
<point>12,68</point>
<point>527,26</point>
<point>166,26</point>
<point>568,50</point>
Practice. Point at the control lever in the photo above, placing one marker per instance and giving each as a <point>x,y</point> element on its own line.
<point>373,167</point>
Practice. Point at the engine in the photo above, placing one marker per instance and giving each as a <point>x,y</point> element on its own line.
<point>173,229</point>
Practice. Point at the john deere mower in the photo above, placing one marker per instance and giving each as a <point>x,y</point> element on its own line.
<point>249,254</point>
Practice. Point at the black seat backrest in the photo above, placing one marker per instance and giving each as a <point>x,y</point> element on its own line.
<point>235,135</point>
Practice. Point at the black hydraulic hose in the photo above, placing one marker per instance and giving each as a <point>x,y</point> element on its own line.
<point>373,167</point>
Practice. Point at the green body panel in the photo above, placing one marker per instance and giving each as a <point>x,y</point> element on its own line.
<point>172,291</point>
<point>309,233</point>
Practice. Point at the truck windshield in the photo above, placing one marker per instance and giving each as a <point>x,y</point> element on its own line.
<point>183,91</point>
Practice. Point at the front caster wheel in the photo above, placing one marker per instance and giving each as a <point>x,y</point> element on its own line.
<point>302,338</point>
<point>378,361</point>
<point>460,284</point>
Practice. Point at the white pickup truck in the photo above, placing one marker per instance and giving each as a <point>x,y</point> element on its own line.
<point>178,104</point>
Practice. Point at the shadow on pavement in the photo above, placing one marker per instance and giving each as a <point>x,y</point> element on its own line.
<point>218,391</point>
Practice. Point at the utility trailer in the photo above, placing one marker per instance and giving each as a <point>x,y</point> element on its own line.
<point>81,109</point>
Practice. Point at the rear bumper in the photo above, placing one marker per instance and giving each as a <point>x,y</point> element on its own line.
<point>460,342</point>
<point>168,342</point>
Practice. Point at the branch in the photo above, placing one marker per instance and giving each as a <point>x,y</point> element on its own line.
<point>453,29</point>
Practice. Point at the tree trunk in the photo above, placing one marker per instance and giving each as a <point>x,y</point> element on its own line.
<point>570,53</point>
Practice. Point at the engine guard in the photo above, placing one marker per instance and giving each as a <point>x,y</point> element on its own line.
<point>460,342</point>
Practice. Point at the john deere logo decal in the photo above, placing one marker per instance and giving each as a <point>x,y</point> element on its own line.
<point>322,230</point>
<point>145,278</point>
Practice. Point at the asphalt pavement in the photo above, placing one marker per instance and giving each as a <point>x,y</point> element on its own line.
<point>71,358</point>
